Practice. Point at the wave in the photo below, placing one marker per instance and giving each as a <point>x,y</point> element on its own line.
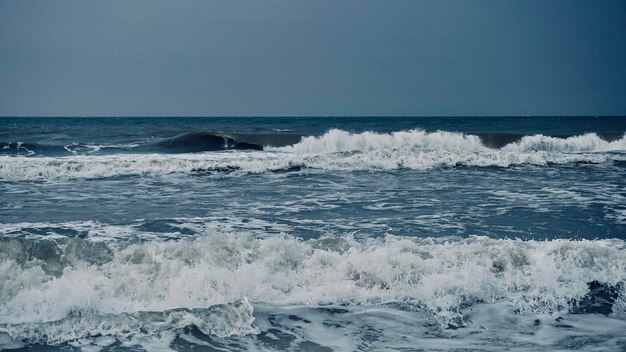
<point>332,141</point>
<point>194,142</point>
<point>171,284</point>
<point>335,150</point>
<point>342,141</point>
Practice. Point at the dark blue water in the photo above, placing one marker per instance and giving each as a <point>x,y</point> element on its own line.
<point>124,130</point>
<point>280,233</point>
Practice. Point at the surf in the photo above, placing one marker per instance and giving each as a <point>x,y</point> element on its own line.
<point>336,150</point>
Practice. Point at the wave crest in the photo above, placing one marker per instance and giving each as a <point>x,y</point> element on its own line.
<point>335,141</point>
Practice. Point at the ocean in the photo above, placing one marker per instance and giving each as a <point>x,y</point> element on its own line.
<point>313,234</point>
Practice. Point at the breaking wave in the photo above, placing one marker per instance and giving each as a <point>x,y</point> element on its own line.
<point>341,141</point>
<point>335,150</point>
<point>147,289</point>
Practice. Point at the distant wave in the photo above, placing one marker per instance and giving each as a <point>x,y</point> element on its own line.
<point>332,141</point>
<point>154,286</point>
<point>418,140</point>
<point>336,150</point>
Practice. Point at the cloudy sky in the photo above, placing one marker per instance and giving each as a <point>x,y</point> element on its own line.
<point>336,57</point>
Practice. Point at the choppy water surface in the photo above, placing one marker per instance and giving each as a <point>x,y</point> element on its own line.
<point>315,234</point>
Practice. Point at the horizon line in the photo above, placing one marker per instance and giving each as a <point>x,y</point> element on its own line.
<point>299,116</point>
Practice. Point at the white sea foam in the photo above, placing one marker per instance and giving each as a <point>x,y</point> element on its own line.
<point>220,320</point>
<point>589,142</point>
<point>335,150</point>
<point>341,141</point>
<point>441,276</point>
<point>335,141</point>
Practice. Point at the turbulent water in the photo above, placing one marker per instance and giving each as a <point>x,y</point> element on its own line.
<point>312,234</point>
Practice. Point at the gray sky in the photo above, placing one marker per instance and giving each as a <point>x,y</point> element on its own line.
<point>336,57</point>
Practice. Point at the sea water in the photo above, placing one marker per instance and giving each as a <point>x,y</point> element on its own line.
<point>313,234</point>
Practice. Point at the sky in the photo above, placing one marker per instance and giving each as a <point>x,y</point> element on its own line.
<point>312,58</point>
